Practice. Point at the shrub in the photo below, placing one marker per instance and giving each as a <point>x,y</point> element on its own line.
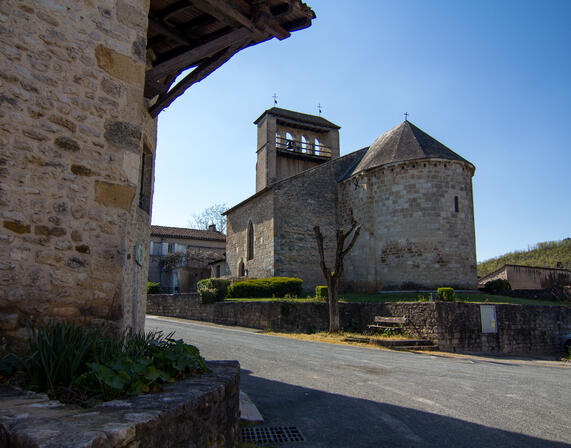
<point>499,284</point>
<point>77,363</point>
<point>153,288</point>
<point>212,289</point>
<point>266,287</point>
<point>447,294</point>
<point>321,292</point>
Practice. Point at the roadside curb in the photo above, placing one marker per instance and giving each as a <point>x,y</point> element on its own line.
<point>248,411</point>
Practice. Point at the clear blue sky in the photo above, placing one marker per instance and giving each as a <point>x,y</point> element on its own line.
<point>489,79</point>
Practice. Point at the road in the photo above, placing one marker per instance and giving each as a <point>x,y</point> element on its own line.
<point>345,396</point>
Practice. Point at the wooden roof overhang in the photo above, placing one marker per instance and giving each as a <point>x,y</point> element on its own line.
<point>204,34</point>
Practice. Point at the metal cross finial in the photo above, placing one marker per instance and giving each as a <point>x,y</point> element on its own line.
<point>275,97</point>
<point>406,116</point>
<point>319,109</point>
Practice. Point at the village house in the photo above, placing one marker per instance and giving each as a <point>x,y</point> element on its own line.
<point>180,257</point>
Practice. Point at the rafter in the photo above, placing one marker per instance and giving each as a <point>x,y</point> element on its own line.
<point>165,30</point>
<point>197,75</point>
<point>188,58</point>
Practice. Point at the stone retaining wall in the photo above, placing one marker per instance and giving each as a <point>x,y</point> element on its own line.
<point>455,327</point>
<point>202,411</point>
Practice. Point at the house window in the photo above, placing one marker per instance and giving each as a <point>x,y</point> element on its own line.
<point>218,271</point>
<point>456,204</point>
<point>250,240</point>
<point>146,180</point>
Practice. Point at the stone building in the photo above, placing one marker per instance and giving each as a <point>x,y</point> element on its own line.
<point>180,256</point>
<point>81,84</point>
<point>411,194</point>
<point>528,277</point>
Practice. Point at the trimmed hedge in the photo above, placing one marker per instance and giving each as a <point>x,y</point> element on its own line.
<point>447,294</point>
<point>212,290</point>
<point>499,284</point>
<point>153,288</point>
<point>321,292</point>
<point>266,287</point>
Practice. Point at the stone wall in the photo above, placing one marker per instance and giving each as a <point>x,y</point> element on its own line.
<point>202,411</point>
<point>302,202</point>
<point>258,210</point>
<point>528,277</point>
<point>73,133</point>
<point>412,233</point>
<point>455,327</point>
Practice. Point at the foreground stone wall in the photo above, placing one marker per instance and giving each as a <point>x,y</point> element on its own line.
<point>74,128</point>
<point>417,226</point>
<point>455,327</point>
<point>202,411</point>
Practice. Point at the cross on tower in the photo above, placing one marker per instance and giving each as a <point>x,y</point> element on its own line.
<point>406,116</point>
<point>275,97</point>
<point>319,109</point>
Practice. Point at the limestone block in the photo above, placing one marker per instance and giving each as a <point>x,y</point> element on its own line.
<point>114,195</point>
<point>120,66</point>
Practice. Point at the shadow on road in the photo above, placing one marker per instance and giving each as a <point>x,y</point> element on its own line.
<point>329,420</point>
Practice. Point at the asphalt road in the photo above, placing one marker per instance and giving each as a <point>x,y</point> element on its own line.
<point>343,396</point>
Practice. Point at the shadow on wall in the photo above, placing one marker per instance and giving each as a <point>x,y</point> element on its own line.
<point>329,420</point>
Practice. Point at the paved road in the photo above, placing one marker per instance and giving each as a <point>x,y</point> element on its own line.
<point>342,396</point>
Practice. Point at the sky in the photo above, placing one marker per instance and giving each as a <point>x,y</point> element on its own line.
<point>489,79</point>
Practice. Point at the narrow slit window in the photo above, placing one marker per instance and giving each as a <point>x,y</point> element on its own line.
<point>146,181</point>
<point>456,204</point>
<point>250,240</point>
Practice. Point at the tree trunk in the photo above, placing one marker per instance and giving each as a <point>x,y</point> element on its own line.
<point>333,296</point>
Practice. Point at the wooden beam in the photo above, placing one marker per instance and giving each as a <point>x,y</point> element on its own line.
<point>197,75</point>
<point>172,10</point>
<point>165,30</point>
<point>224,11</point>
<point>188,58</point>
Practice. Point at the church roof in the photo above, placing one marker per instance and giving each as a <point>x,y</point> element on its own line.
<point>298,117</point>
<point>401,143</point>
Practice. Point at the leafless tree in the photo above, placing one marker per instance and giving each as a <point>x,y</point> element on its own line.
<point>210,215</point>
<point>333,277</point>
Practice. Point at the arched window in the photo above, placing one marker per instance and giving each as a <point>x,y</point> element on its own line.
<point>250,241</point>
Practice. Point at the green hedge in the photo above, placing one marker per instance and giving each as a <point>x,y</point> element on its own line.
<point>153,288</point>
<point>266,287</point>
<point>447,294</point>
<point>321,292</point>
<point>499,284</point>
<point>212,290</point>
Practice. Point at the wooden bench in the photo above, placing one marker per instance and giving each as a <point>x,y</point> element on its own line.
<point>388,323</point>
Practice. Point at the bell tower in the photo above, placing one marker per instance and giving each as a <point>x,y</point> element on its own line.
<point>291,142</point>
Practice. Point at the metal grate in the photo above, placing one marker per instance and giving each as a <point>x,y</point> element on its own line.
<point>272,434</point>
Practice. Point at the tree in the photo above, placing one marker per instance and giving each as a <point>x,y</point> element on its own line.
<point>332,277</point>
<point>210,215</point>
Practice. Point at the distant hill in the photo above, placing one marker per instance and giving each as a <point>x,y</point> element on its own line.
<point>542,254</point>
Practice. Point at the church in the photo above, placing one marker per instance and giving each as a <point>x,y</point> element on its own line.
<point>411,195</point>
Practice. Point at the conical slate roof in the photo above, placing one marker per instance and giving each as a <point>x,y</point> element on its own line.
<point>404,142</point>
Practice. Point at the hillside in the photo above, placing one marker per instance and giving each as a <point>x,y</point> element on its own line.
<point>542,254</point>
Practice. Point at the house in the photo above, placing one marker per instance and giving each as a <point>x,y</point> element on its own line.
<point>411,194</point>
<point>179,257</point>
<point>528,277</point>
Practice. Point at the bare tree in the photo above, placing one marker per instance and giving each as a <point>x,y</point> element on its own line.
<point>333,277</point>
<point>210,215</point>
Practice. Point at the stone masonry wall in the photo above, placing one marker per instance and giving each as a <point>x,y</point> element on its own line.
<point>412,234</point>
<point>455,327</point>
<point>73,130</point>
<point>259,210</point>
<point>202,411</point>
<point>302,202</point>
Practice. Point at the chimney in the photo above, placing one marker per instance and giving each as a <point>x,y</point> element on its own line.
<point>212,227</point>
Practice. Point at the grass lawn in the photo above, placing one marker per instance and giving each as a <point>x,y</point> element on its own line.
<point>415,297</point>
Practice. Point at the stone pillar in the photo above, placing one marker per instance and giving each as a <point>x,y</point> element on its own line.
<point>74,128</point>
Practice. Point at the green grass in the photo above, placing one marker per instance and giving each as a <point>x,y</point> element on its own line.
<point>355,297</point>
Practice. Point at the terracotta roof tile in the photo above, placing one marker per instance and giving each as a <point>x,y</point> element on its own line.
<point>192,234</point>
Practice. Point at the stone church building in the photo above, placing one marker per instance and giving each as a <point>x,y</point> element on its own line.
<point>411,194</point>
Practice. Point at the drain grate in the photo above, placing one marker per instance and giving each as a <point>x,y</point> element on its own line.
<point>271,434</point>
